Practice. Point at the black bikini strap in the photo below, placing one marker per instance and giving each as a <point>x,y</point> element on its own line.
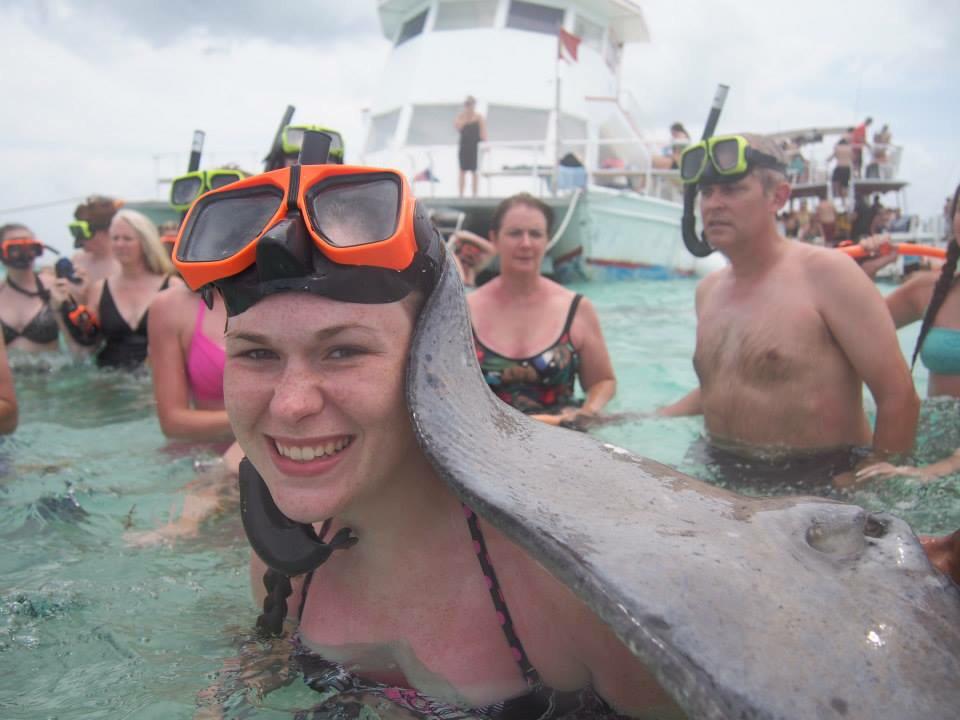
<point>503,614</point>
<point>41,292</point>
<point>573,311</point>
<point>309,576</point>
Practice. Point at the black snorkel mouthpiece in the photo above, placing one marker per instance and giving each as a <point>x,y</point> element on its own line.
<point>286,546</point>
<point>696,243</point>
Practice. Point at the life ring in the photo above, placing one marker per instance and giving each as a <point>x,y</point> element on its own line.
<point>858,251</point>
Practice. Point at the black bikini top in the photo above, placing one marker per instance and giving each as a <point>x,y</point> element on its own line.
<point>42,328</point>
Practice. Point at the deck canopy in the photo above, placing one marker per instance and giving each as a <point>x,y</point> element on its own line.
<point>623,15</point>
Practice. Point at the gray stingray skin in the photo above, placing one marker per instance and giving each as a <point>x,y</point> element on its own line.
<point>742,608</point>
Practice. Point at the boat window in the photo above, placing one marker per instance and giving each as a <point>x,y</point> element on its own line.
<point>382,129</point>
<point>534,17</point>
<point>589,32</point>
<point>433,125</point>
<point>505,123</point>
<point>463,14</point>
<point>412,27</point>
<point>572,128</point>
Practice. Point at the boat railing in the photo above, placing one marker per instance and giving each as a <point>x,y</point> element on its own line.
<point>881,162</point>
<point>600,160</point>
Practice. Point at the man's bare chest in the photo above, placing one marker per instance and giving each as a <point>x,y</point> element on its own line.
<point>760,343</point>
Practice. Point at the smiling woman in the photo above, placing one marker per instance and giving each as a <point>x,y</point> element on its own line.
<point>315,389</point>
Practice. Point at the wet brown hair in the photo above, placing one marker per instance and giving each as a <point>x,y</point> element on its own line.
<point>98,211</point>
<point>521,199</point>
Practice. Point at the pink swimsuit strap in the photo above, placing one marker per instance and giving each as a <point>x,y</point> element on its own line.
<point>205,363</point>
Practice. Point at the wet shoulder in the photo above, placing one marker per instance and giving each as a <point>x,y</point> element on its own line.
<point>815,261</point>
<point>173,308</point>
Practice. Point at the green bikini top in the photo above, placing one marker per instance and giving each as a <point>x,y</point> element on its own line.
<point>941,351</point>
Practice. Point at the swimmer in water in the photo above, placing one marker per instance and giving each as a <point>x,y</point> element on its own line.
<point>322,295</point>
<point>934,298</point>
<point>28,322</point>
<point>535,337</point>
<point>94,259</point>
<point>121,302</point>
<point>472,254</point>
<point>787,334</point>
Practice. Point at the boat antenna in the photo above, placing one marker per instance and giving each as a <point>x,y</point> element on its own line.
<point>274,159</point>
<point>697,243</point>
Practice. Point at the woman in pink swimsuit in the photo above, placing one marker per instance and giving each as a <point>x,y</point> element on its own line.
<point>186,354</point>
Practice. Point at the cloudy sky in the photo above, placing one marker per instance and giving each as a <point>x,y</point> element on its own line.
<point>102,96</point>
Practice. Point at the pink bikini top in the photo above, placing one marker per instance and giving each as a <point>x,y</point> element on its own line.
<point>205,365</point>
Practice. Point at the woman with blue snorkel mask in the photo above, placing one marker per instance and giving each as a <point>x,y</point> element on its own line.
<point>402,594</point>
<point>28,322</point>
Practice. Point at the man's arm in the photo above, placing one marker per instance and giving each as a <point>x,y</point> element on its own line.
<point>8,397</point>
<point>689,404</point>
<point>908,303</point>
<point>858,318</point>
<point>596,369</point>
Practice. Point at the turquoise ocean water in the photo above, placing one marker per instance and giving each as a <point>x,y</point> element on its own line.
<point>92,628</point>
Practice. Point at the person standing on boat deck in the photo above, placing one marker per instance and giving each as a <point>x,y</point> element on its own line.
<point>826,218</point>
<point>859,142</point>
<point>787,334</point>
<point>8,396</point>
<point>533,336</point>
<point>26,318</point>
<point>121,301</point>
<point>840,179</point>
<point>473,129</point>
<point>94,259</point>
<point>670,159</point>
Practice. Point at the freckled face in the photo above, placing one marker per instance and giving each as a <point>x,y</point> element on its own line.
<point>521,240</point>
<point>125,242</point>
<point>315,393</point>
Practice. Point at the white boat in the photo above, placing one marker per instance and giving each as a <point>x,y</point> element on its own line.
<point>616,216</point>
<point>880,181</point>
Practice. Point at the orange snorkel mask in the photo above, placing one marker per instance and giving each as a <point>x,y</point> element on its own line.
<point>350,233</point>
<point>21,252</point>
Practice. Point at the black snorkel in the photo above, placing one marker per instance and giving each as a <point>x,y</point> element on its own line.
<point>275,157</point>
<point>193,164</point>
<point>697,243</point>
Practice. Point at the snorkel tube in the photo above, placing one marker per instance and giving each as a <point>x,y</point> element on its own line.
<point>697,243</point>
<point>275,157</point>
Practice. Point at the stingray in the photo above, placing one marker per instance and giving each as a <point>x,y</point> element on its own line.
<point>741,607</point>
